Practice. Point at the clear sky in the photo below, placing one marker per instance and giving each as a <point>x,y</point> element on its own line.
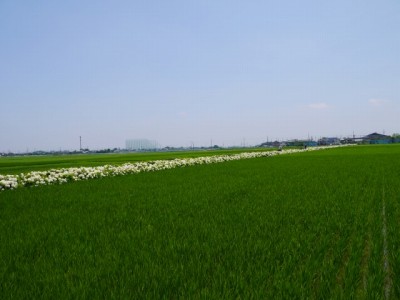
<point>183,71</point>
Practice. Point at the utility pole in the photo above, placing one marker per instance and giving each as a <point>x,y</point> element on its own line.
<point>80,143</point>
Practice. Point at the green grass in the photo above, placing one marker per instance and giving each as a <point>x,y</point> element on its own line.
<point>19,164</point>
<point>306,225</point>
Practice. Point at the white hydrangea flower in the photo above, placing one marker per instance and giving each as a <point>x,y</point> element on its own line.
<point>60,176</point>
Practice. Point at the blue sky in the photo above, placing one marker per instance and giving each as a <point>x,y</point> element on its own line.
<point>183,72</point>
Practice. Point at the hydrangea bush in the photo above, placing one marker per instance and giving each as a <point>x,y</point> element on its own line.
<point>60,176</point>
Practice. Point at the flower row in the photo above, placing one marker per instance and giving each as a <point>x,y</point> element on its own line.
<point>60,176</point>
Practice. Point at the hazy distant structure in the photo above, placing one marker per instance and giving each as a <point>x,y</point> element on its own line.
<point>141,144</point>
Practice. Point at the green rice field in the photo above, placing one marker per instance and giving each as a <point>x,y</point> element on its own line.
<point>313,225</point>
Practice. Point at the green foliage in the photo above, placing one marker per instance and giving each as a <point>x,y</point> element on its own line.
<point>305,225</point>
<point>396,135</point>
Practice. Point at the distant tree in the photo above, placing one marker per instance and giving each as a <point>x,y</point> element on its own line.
<point>396,135</point>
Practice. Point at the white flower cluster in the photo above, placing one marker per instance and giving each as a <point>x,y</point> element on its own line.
<point>59,176</point>
<point>8,182</point>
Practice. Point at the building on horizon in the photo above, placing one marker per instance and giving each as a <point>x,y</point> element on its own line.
<point>301,143</point>
<point>377,138</point>
<point>141,145</point>
<point>372,138</point>
<point>325,141</point>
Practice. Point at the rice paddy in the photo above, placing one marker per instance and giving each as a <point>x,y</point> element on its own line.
<point>320,225</point>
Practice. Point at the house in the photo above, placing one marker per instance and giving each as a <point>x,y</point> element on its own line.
<point>377,138</point>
